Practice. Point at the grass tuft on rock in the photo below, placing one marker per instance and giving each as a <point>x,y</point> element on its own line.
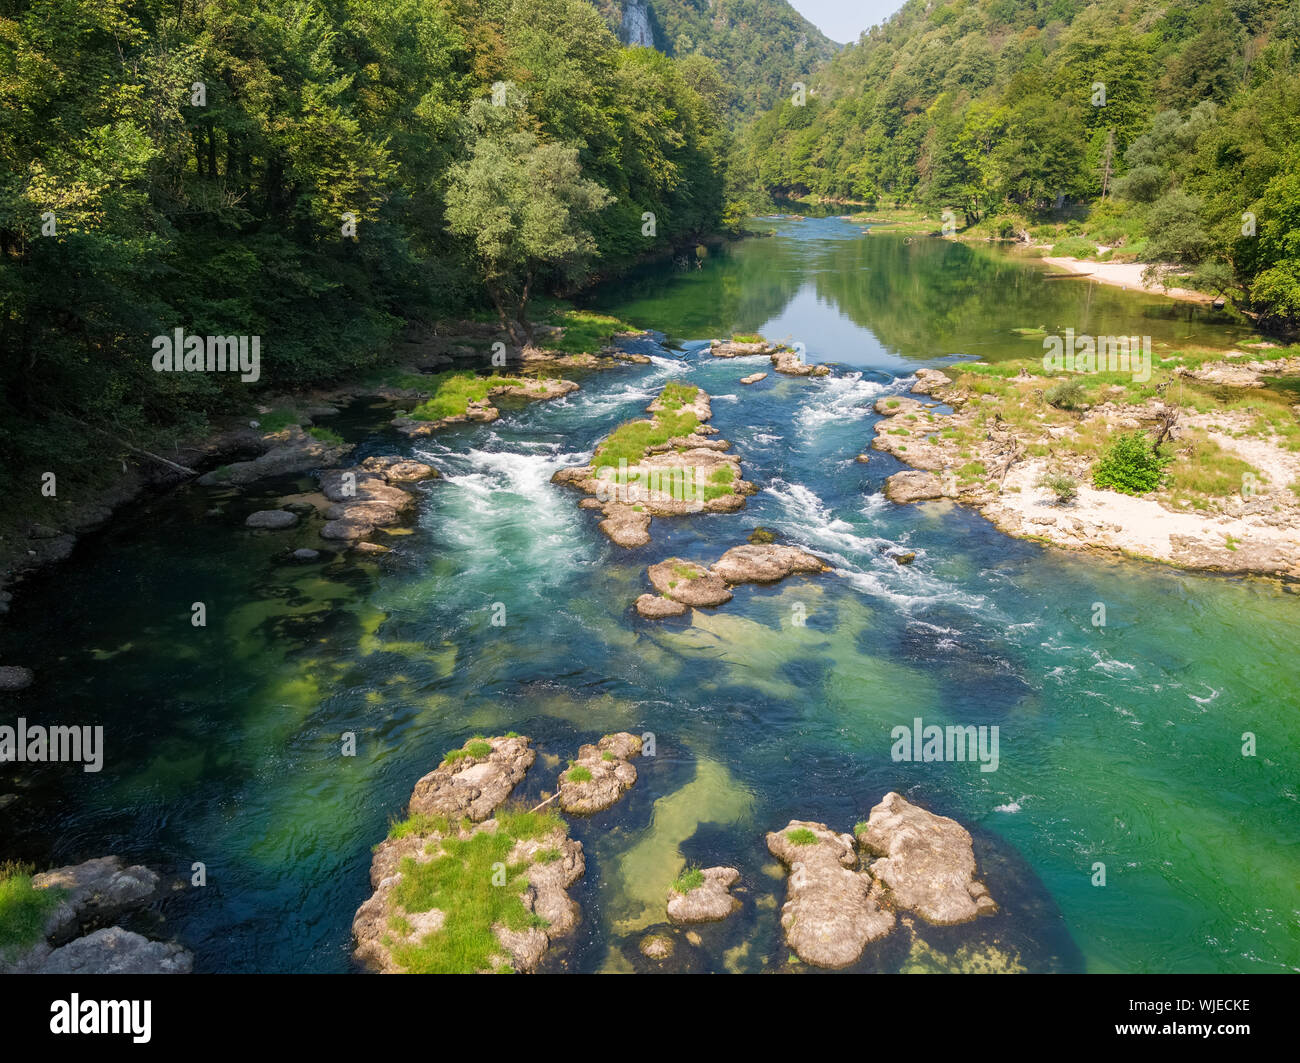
<point>23,908</point>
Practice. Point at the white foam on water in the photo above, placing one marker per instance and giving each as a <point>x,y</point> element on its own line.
<point>1010,807</point>
<point>861,559</point>
<point>836,399</point>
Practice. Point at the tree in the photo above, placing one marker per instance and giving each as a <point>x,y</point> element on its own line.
<point>521,204</point>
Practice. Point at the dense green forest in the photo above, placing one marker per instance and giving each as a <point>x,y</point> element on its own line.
<point>1167,132</point>
<point>293,170</point>
<point>761,47</point>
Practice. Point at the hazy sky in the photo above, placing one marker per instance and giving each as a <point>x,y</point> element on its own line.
<point>843,20</point>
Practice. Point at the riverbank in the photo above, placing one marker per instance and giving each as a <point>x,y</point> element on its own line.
<point>1124,275</point>
<point>280,429</point>
<point>1022,446</point>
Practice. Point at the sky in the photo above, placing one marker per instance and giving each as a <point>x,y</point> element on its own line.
<point>843,20</point>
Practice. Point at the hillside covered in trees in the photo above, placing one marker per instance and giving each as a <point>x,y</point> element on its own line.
<point>316,175</point>
<point>761,47</point>
<point>1165,131</point>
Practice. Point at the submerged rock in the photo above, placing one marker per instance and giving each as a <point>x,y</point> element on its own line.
<point>271,519</point>
<point>656,946</point>
<point>14,677</point>
<point>600,775</point>
<point>473,780</point>
<point>831,912</point>
<point>656,607</point>
<point>708,902</point>
<point>926,861</point>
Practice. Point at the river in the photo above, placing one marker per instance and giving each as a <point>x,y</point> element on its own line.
<point>1120,745</point>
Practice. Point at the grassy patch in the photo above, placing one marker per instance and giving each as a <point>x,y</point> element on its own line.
<point>469,880</point>
<point>579,773</point>
<point>691,879</point>
<point>479,747</point>
<point>584,332</point>
<point>1202,467</point>
<point>325,435</point>
<point>450,393</point>
<point>277,420</point>
<point>23,908</point>
<point>801,836</point>
<point>630,442</point>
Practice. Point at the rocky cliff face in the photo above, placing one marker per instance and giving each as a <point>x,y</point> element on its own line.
<point>635,30</point>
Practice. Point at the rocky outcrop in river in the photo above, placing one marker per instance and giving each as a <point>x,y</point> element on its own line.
<point>832,912</point>
<point>473,781</point>
<point>687,583</point>
<point>703,896</point>
<point>97,891</point>
<point>839,901</point>
<point>682,470</point>
<point>368,496</point>
<point>927,862</point>
<point>784,359</point>
<point>601,775</point>
<point>464,885</point>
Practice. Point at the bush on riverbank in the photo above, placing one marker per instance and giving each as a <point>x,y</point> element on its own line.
<point>1131,464</point>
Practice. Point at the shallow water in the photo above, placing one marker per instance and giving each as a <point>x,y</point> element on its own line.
<point>1118,744</point>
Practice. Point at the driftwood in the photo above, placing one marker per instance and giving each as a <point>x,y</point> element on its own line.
<point>140,450</point>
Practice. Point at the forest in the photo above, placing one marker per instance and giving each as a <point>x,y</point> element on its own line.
<point>1166,132</point>
<point>318,174</point>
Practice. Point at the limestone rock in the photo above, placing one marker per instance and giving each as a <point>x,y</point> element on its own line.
<point>831,912</point>
<point>913,486</point>
<point>113,950</point>
<point>97,888</point>
<point>895,405</point>
<point>609,763</point>
<point>708,902</point>
<point>473,783</point>
<point>764,563</point>
<point>14,677</point>
<point>656,607</point>
<point>926,861</point>
<point>753,378</point>
<point>688,583</point>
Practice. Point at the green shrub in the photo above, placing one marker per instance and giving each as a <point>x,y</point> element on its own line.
<point>1065,395</point>
<point>1130,464</point>
<point>1063,487</point>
